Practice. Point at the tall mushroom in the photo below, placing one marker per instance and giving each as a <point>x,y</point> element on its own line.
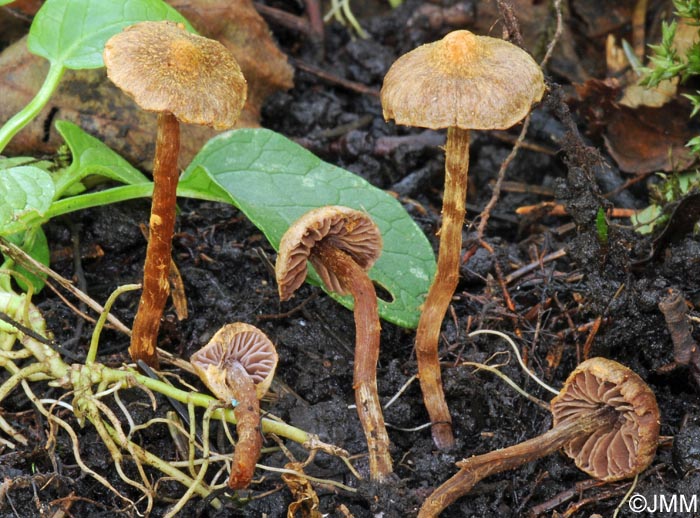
<point>238,365</point>
<point>606,419</point>
<point>342,244</point>
<point>184,77</point>
<point>461,82</point>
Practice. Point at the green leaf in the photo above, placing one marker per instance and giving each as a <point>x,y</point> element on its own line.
<point>34,243</point>
<point>601,224</point>
<point>15,161</point>
<point>92,156</point>
<point>274,181</point>
<point>645,220</point>
<point>73,33</point>
<point>26,193</point>
<point>5,2</point>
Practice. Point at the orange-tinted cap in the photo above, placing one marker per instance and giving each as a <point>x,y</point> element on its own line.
<point>165,68</point>
<point>628,445</point>
<point>349,230</point>
<point>463,80</point>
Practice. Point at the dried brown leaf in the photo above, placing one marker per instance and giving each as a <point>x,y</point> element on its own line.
<point>305,498</point>
<point>642,139</point>
<point>89,99</point>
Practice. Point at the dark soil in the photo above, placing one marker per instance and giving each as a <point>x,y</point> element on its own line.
<point>225,263</point>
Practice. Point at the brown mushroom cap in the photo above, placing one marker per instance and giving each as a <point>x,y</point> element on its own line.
<point>240,343</point>
<point>463,80</point>
<point>349,230</point>
<point>165,68</point>
<point>626,447</point>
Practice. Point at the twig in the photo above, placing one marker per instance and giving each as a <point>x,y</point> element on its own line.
<point>331,78</point>
<point>37,268</point>
<point>558,254</point>
<point>558,209</point>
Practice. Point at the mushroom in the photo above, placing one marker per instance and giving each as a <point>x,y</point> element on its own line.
<point>461,82</point>
<point>605,418</point>
<point>238,365</point>
<point>342,244</point>
<point>184,77</point>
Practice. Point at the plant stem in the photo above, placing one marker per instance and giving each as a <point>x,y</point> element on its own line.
<point>354,279</point>
<point>116,195</point>
<point>98,199</point>
<point>95,340</point>
<point>443,287</point>
<point>156,286</point>
<point>31,110</point>
<point>247,413</point>
<point>476,468</point>
<point>108,375</point>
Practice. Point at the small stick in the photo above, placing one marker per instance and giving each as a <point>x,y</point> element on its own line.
<point>334,79</point>
<point>558,254</point>
<point>557,209</point>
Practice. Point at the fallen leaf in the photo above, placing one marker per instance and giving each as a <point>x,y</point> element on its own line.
<point>642,139</point>
<point>242,30</point>
<point>536,18</point>
<point>305,498</point>
<point>89,99</point>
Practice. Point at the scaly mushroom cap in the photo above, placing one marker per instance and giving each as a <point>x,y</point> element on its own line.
<point>349,230</point>
<point>463,80</point>
<point>165,68</point>
<point>240,343</point>
<point>628,446</point>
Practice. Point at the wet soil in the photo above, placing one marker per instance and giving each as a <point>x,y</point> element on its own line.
<point>225,263</point>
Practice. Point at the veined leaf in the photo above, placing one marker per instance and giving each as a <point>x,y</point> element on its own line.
<point>26,193</point>
<point>91,156</point>
<point>274,181</point>
<point>73,33</point>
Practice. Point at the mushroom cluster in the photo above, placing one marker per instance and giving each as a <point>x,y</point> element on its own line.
<point>342,244</point>
<point>238,365</point>
<point>184,77</point>
<point>461,82</point>
<point>605,418</point>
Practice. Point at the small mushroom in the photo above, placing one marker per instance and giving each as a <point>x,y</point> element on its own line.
<point>238,365</point>
<point>605,418</point>
<point>342,244</point>
<point>461,82</point>
<point>184,77</point>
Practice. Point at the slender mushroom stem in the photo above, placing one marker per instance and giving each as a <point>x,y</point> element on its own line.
<point>162,224</point>
<point>444,285</point>
<point>476,468</point>
<point>355,280</point>
<point>247,412</point>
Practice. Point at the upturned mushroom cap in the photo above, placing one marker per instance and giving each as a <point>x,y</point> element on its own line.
<point>240,343</point>
<point>349,230</point>
<point>465,81</point>
<point>165,68</point>
<point>628,446</point>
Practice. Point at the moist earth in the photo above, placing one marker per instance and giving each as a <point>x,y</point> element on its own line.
<point>226,265</point>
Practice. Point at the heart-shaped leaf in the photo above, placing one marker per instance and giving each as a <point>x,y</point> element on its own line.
<point>274,181</point>
<point>91,156</point>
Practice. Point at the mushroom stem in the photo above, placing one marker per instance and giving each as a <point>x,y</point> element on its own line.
<point>355,280</point>
<point>247,412</point>
<point>162,224</point>
<point>444,285</point>
<point>476,468</point>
